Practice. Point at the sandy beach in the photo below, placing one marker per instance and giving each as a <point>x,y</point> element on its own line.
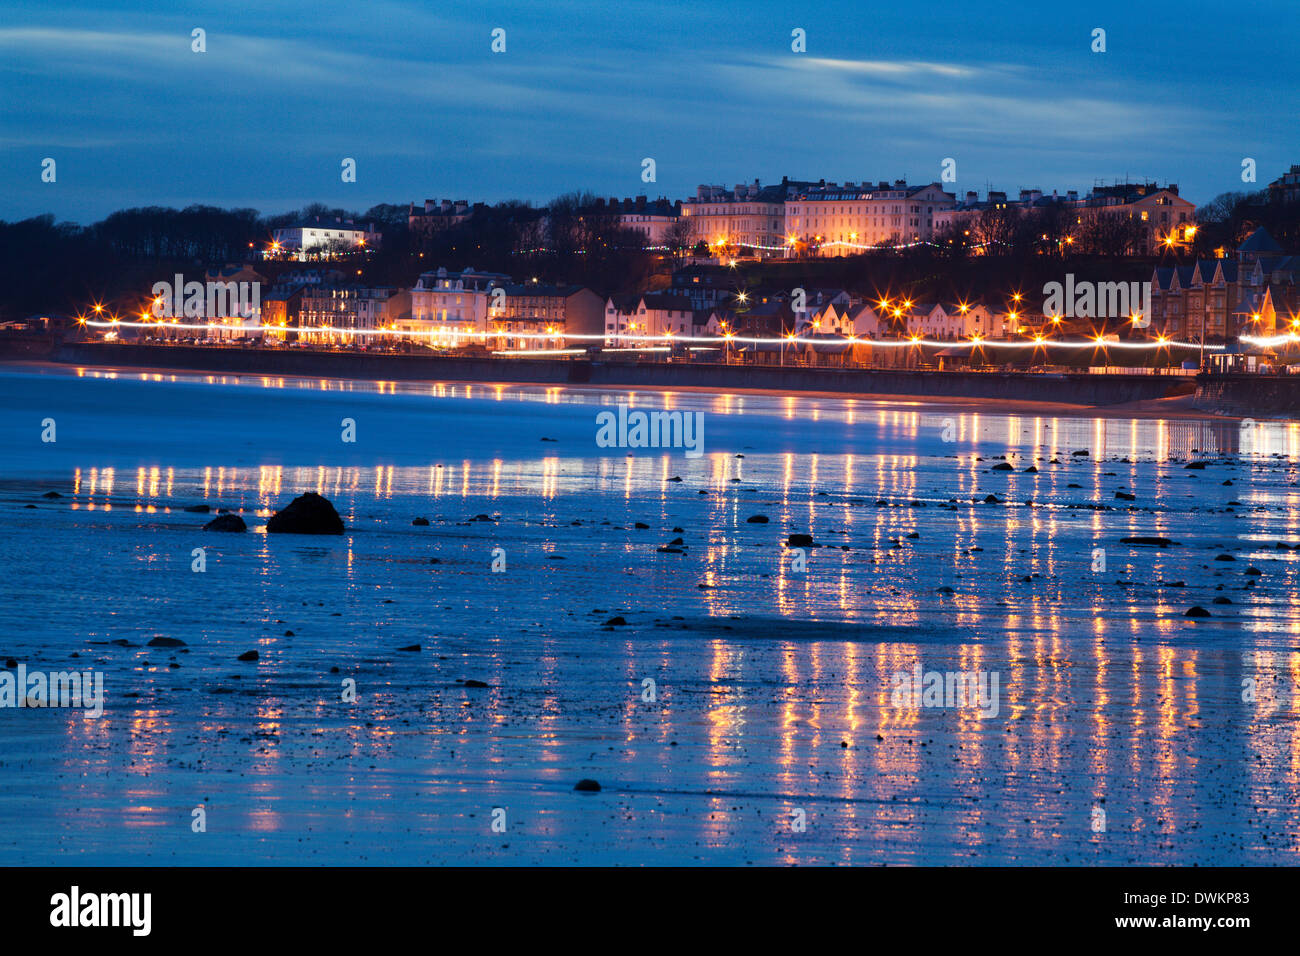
<point>734,706</point>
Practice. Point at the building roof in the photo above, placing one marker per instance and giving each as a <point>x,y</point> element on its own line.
<point>522,289</point>
<point>1259,241</point>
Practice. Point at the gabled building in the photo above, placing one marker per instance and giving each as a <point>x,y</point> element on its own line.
<point>1221,299</point>
<point>628,318</point>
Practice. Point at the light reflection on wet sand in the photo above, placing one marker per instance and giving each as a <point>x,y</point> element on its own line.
<point>1110,697</point>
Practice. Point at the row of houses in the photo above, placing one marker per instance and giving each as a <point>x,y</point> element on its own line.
<point>796,218</point>
<point>1253,293</point>
<point>799,219</point>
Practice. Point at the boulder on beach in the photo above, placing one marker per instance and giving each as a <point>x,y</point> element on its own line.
<point>306,514</point>
<point>587,786</point>
<point>799,540</point>
<point>226,522</point>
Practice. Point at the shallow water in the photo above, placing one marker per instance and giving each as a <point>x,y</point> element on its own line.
<point>774,688</point>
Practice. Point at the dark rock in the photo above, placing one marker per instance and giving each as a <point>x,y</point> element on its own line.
<point>410,647</point>
<point>757,519</point>
<point>1224,557</point>
<point>1147,539</point>
<point>641,526</point>
<point>1197,611</point>
<point>306,514</point>
<point>198,509</point>
<point>992,500</point>
<point>421,522</point>
<point>249,656</point>
<point>587,786</point>
<point>226,522</point>
<point>475,683</point>
<point>51,494</point>
<point>1222,600</point>
<point>799,540</point>
<point>1125,496</point>
<point>1003,466</point>
<point>1080,454</point>
<point>615,622</point>
<point>1252,570</point>
<point>166,642</point>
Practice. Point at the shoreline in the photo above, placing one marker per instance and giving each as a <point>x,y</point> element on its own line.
<point>1149,405</point>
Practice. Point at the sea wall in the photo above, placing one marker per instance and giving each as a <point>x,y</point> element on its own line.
<point>1072,388</point>
<point>1250,396</point>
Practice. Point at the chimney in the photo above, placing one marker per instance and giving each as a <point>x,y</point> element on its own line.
<point>428,205</point>
<point>972,196</point>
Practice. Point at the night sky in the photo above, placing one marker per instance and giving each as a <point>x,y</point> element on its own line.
<point>583,92</point>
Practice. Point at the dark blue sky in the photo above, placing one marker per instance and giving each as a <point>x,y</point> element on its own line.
<point>584,92</point>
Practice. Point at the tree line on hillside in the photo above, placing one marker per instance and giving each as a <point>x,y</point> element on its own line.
<point>52,267</point>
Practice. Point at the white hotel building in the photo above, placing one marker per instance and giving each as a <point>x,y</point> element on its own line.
<point>802,218</point>
<point>836,220</point>
<point>322,237</point>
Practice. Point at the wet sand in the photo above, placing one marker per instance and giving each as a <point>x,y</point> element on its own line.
<point>773,688</point>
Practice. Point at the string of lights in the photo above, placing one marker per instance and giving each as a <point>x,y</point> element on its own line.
<point>667,339</point>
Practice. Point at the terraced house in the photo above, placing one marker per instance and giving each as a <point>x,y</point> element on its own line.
<point>530,315</point>
<point>1217,300</point>
<point>834,220</point>
<point>450,309</point>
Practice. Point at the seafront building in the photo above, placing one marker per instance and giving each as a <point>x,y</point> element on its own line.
<point>1253,293</point>
<point>450,309</point>
<point>531,315</point>
<point>332,315</point>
